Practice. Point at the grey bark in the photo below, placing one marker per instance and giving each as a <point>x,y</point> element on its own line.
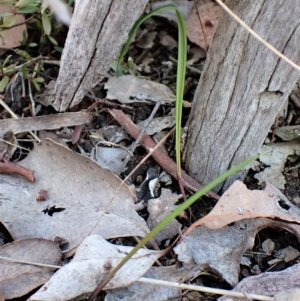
<point>98,30</point>
<point>242,88</point>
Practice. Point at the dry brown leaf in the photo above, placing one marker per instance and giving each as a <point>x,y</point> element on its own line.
<point>239,203</point>
<point>94,258</point>
<point>1,297</point>
<point>209,13</point>
<point>268,284</point>
<point>76,185</point>
<point>221,250</point>
<point>12,37</point>
<point>18,279</point>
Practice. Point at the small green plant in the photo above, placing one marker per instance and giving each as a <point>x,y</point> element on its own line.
<point>40,20</point>
<point>6,72</point>
<point>41,17</point>
<point>181,68</point>
<point>182,49</point>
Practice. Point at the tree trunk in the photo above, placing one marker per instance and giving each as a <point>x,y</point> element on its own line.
<point>98,30</point>
<point>242,88</point>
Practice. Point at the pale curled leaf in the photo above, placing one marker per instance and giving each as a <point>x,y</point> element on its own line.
<point>275,156</point>
<point>18,279</point>
<point>110,158</point>
<point>239,203</point>
<point>221,250</point>
<point>94,258</point>
<point>76,184</point>
<point>131,89</point>
<point>157,124</point>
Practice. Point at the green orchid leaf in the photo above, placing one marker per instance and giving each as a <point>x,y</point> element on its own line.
<point>3,83</point>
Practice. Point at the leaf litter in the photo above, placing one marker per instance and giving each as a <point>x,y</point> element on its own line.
<point>76,200</point>
<point>17,279</point>
<point>94,258</point>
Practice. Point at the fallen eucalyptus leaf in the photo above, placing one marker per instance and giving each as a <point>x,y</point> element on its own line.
<point>18,279</point>
<point>238,202</point>
<point>83,198</point>
<point>94,258</point>
<point>221,250</point>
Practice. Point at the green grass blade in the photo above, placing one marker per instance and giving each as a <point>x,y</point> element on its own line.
<point>181,68</point>
<point>172,216</point>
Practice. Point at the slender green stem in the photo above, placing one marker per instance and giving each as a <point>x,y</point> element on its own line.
<point>181,68</point>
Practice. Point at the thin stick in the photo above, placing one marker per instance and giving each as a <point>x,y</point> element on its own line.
<point>138,139</point>
<point>15,145</point>
<point>204,289</point>
<point>31,99</point>
<point>255,35</point>
<point>42,265</point>
<point>34,60</point>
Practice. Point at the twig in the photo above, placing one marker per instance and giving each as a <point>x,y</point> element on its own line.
<point>15,145</point>
<point>138,139</point>
<point>204,289</point>
<point>8,167</point>
<point>255,35</point>
<point>31,99</point>
<point>42,265</point>
<point>159,155</point>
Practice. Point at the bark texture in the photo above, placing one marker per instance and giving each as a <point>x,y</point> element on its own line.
<point>98,30</point>
<point>242,88</point>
